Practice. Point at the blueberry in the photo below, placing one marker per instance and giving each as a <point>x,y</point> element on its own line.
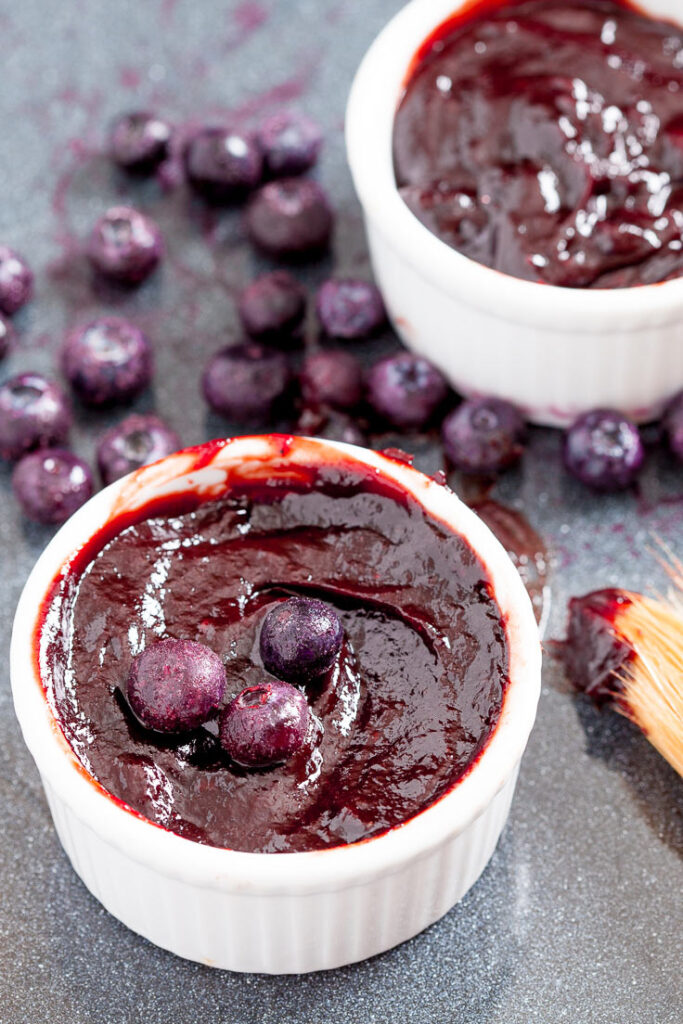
<point>6,336</point>
<point>673,425</point>
<point>175,685</point>
<point>243,383</point>
<point>264,725</point>
<point>290,218</point>
<point>139,141</point>
<point>108,360</point>
<point>272,305</point>
<point>125,245</point>
<point>350,309</point>
<point>16,281</point>
<point>331,377</point>
<point>136,441</point>
<point>406,389</point>
<point>300,639</point>
<point>322,421</point>
<point>290,142</point>
<point>34,412</point>
<point>604,450</point>
<point>483,435</point>
<point>51,484</point>
<point>222,164</point>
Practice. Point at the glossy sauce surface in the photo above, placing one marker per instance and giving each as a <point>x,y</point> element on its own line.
<point>544,138</point>
<point>407,710</point>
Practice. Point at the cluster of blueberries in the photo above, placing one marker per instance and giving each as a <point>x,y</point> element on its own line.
<point>176,686</point>
<point>109,360</point>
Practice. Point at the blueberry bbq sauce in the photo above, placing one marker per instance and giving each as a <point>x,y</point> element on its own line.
<point>408,705</point>
<point>544,138</point>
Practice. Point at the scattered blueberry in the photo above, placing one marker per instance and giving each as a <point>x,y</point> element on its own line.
<point>264,725</point>
<point>331,377</point>
<point>51,484</point>
<point>321,421</point>
<point>125,245</point>
<point>175,685</point>
<point>222,164</point>
<point>243,383</point>
<point>139,141</point>
<point>34,412</point>
<point>673,425</point>
<point>483,435</point>
<point>108,360</point>
<point>272,305</point>
<point>136,441</point>
<point>300,639</point>
<point>290,142</point>
<point>6,335</point>
<point>406,389</point>
<point>288,218</point>
<point>350,309</point>
<point>16,281</point>
<point>604,450</point>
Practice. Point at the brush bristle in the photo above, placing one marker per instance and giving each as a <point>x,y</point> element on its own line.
<point>650,685</point>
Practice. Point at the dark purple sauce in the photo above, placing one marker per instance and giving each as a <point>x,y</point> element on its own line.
<point>404,714</point>
<point>544,138</point>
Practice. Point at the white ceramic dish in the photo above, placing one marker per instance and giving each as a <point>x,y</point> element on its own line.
<point>555,352</point>
<point>276,913</point>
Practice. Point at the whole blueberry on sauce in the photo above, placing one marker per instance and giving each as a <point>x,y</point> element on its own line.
<point>543,138</point>
<point>265,724</point>
<point>300,638</point>
<point>175,685</point>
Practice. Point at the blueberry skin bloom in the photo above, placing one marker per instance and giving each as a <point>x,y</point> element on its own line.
<point>16,281</point>
<point>291,217</point>
<point>34,413</point>
<point>604,450</point>
<point>406,389</point>
<point>108,360</point>
<point>290,142</point>
<point>243,383</point>
<point>125,245</point>
<point>51,484</point>
<point>300,639</point>
<point>673,425</point>
<point>139,141</point>
<point>222,165</point>
<point>350,309</point>
<point>136,441</point>
<point>483,435</point>
<point>272,305</point>
<point>264,725</point>
<point>331,377</point>
<point>175,685</point>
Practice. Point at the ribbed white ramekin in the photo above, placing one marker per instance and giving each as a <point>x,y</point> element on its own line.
<point>276,913</point>
<point>554,352</point>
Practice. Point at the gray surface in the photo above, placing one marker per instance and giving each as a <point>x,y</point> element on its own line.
<point>578,917</point>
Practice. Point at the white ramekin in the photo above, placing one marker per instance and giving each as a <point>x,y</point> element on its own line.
<point>555,352</point>
<point>276,913</point>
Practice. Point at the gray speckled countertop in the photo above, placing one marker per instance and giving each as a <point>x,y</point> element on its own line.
<point>578,918</point>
